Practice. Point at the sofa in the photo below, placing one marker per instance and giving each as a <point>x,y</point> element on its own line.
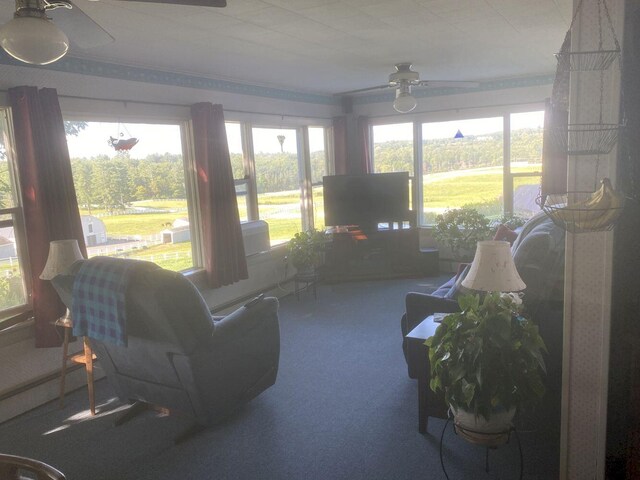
<point>177,355</point>
<point>538,253</point>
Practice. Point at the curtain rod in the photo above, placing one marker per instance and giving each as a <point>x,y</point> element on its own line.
<point>181,105</point>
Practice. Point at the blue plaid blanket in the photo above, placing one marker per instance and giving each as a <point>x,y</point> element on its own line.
<point>99,291</point>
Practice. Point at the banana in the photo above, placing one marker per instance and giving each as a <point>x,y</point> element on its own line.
<point>588,209</point>
<point>608,214</point>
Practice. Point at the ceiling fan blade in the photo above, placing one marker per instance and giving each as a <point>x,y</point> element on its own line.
<point>368,89</point>
<point>195,3</point>
<point>6,14</point>
<point>79,27</point>
<point>448,83</point>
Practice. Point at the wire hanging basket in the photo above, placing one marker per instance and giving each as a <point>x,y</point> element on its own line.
<point>600,59</point>
<point>587,138</point>
<point>588,61</point>
<point>569,212</point>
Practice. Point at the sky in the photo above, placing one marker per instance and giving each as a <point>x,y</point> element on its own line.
<point>154,138</point>
<point>433,130</point>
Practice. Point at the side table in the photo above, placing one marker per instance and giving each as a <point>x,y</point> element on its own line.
<point>86,358</point>
<point>429,403</point>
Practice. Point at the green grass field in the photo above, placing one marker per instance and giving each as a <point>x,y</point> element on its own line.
<point>480,188</point>
<point>172,256</point>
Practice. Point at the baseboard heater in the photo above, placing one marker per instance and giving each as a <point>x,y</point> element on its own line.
<point>50,377</point>
<point>256,237</point>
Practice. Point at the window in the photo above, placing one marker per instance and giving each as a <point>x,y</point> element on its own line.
<point>393,148</point>
<point>526,161</point>
<point>234,139</point>
<point>13,290</point>
<point>134,199</point>
<point>393,151</point>
<point>319,169</point>
<point>463,166</point>
<point>278,181</point>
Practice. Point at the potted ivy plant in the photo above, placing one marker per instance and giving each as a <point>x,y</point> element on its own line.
<point>306,250</point>
<point>487,359</point>
<point>461,229</point>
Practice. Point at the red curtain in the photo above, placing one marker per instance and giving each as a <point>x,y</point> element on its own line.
<point>48,195</point>
<point>340,145</point>
<point>364,139</point>
<point>224,257</point>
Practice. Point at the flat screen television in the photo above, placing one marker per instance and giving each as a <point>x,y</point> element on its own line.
<point>366,200</point>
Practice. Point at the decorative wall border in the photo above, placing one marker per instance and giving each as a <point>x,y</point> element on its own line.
<point>96,68</point>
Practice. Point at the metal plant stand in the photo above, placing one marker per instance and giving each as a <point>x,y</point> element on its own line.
<point>491,441</point>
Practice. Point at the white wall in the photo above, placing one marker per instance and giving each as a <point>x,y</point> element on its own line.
<point>588,266</point>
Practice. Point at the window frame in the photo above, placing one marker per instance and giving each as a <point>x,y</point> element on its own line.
<point>13,315</point>
<point>188,165</point>
<point>419,119</point>
<point>303,155</point>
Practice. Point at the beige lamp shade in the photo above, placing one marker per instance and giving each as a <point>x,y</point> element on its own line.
<point>493,269</point>
<point>62,254</point>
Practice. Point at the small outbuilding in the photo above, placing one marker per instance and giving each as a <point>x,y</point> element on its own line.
<point>7,248</point>
<point>94,230</point>
<point>176,234</point>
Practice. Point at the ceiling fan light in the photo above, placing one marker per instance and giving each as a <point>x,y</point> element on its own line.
<point>404,102</point>
<point>33,40</point>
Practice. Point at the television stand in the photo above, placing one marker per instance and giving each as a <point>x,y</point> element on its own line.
<point>358,254</point>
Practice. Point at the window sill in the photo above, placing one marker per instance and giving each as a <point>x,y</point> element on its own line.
<point>17,332</point>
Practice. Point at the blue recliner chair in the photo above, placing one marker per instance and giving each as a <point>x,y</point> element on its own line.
<point>177,355</point>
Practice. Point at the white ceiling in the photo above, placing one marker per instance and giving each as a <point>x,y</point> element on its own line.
<point>329,46</point>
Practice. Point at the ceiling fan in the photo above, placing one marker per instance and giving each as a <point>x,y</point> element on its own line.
<point>403,79</point>
<point>37,33</point>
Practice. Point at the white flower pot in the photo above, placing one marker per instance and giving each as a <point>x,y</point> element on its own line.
<point>477,429</point>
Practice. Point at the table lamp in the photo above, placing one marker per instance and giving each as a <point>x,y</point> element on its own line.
<point>493,269</point>
<point>62,254</point>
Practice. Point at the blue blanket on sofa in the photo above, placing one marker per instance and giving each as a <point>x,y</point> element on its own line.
<point>99,293</point>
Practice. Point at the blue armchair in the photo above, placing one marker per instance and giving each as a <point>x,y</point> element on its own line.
<point>181,358</point>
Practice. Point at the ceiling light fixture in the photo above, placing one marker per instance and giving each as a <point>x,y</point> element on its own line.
<point>404,102</point>
<point>31,36</point>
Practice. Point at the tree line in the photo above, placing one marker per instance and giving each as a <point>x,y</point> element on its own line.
<point>113,183</point>
<point>443,155</point>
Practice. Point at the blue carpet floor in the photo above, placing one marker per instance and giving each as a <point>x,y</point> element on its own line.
<point>343,407</point>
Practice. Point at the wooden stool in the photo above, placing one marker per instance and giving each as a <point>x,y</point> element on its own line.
<point>86,358</point>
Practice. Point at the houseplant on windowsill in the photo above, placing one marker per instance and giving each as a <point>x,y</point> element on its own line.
<point>488,360</point>
<point>305,251</point>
